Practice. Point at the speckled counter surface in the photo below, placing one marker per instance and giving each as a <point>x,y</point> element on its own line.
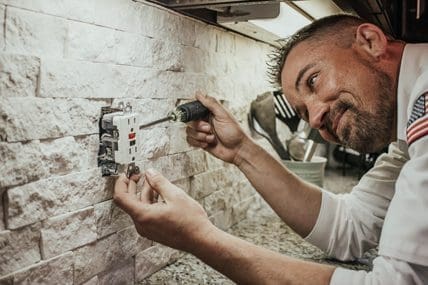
<point>264,229</point>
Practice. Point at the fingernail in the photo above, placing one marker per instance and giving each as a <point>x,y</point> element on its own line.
<point>150,172</point>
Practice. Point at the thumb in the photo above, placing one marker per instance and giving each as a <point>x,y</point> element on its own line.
<point>212,104</point>
<point>159,183</point>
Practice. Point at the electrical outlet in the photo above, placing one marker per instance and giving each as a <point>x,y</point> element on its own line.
<point>119,129</point>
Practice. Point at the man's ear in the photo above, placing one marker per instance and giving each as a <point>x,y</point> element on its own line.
<point>371,39</point>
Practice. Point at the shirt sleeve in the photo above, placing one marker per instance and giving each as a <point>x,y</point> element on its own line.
<point>350,224</point>
<point>385,271</point>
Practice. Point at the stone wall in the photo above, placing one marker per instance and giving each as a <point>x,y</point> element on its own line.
<point>60,61</point>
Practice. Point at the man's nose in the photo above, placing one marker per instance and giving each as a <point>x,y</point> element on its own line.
<point>317,112</point>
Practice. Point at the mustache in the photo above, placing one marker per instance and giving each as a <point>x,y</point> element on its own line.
<point>340,107</point>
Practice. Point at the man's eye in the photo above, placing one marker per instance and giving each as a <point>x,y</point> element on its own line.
<point>312,80</point>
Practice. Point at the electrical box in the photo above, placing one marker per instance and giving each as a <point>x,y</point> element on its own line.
<point>119,134</point>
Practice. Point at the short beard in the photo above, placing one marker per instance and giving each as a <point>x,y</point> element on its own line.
<point>372,131</point>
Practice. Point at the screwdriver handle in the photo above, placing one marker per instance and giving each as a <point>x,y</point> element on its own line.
<point>192,111</point>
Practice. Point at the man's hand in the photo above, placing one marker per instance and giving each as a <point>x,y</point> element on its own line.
<point>221,136</point>
<point>162,212</point>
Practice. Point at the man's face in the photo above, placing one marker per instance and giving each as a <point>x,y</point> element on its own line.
<point>342,94</point>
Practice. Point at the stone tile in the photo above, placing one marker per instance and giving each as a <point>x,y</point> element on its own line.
<point>131,242</point>
<point>222,219</point>
<point>99,44</point>
<point>120,274</point>
<point>92,281</point>
<point>6,280</point>
<point>154,142</point>
<point>110,218</point>
<point>97,257</point>
<point>177,138</point>
<point>239,211</point>
<point>69,231</point>
<point>68,78</point>
<point>18,74</point>
<point>52,271</point>
<point>206,183</point>
<point>2,225</point>
<point>34,33</point>
<point>26,162</point>
<point>153,259</point>
<point>78,10</point>
<point>46,198</point>
<point>19,248</point>
<point>43,118</point>
<point>2,16</point>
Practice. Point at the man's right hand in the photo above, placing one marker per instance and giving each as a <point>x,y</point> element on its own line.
<point>221,136</point>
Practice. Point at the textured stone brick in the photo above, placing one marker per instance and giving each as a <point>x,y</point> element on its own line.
<point>6,280</point>
<point>19,248</point>
<point>40,118</point>
<point>218,201</point>
<point>78,10</point>
<point>2,15</point>
<point>131,242</point>
<point>52,271</point>
<point>152,259</point>
<point>110,218</point>
<point>67,78</point>
<point>93,281</point>
<point>222,219</point>
<point>46,198</point>
<point>2,225</point>
<point>240,210</point>
<point>154,142</point>
<point>66,232</point>
<point>184,184</point>
<point>122,15</point>
<point>241,190</point>
<point>34,33</point>
<point>204,184</point>
<point>18,73</point>
<point>99,44</point>
<point>177,138</point>
<point>178,166</point>
<point>206,38</point>
<point>26,162</point>
<point>98,257</point>
<point>120,274</point>
<point>21,163</point>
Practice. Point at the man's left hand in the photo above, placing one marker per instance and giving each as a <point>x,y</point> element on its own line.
<point>162,212</point>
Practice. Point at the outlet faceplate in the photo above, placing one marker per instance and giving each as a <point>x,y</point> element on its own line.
<point>119,129</point>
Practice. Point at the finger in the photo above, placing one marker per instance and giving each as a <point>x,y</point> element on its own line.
<point>121,185</point>
<point>202,137</point>
<point>146,196</point>
<point>212,104</point>
<point>196,143</point>
<point>122,198</point>
<point>132,187</point>
<point>160,184</point>
<point>200,125</point>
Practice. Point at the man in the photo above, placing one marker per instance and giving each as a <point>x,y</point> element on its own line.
<point>360,88</point>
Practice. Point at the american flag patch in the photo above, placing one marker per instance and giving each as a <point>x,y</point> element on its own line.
<point>417,126</point>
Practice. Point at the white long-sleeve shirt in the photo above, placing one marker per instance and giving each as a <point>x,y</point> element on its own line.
<point>389,206</point>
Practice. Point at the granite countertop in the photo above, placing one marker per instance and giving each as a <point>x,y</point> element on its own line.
<point>267,230</point>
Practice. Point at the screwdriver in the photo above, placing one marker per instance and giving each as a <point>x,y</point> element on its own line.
<point>183,113</point>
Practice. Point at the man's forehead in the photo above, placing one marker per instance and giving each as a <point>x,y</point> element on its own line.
<point>298,57</point>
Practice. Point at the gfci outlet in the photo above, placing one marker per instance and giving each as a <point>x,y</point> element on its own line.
<point>119,129</point>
